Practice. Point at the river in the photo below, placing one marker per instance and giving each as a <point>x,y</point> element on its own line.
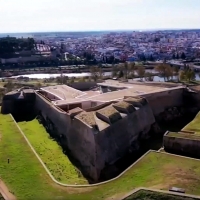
<point>78,75</point>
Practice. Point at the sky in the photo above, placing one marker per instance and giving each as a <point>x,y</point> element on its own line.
<point>97,15</point>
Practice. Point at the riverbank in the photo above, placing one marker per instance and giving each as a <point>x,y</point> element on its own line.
<point>55,70</point>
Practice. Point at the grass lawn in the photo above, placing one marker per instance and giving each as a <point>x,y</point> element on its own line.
<point>149,195</point>
<point>51,153</point>
<point>27,179</point>
<point>194,125</point>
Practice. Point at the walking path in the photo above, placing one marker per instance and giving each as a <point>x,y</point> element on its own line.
<point>5,192</point>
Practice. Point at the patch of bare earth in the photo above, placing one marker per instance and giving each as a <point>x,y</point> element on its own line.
<point>117,197</point>
<point>177,177</point>
<point>5,192</point>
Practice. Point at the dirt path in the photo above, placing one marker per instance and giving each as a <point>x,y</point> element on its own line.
<point>5,192</point>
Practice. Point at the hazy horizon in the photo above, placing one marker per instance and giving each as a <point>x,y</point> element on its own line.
<point>97,15</point>
<point>85,31</point>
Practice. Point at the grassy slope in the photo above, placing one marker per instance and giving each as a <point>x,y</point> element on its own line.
<point>51,153</point>
<point>194,125</point>
<point>28,180</point>
<point>148,195</point>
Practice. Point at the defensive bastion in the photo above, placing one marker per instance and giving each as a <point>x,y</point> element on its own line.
<point>95,132</point>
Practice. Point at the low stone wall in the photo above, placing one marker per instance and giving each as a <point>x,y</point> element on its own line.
<point>182,145</point>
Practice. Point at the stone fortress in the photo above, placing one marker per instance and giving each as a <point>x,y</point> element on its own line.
<point>99,126</point>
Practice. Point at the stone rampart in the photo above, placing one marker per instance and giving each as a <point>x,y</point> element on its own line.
<point>59,118</point>
<point>113,142</point>
<point>79,137</point>
<point>18,102</point>
<point>83,148</point>
<point>162,100</point>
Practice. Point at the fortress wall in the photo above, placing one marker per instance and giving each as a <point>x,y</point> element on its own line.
<point>193,98</point>
<point>165,99</point>
<point>183,145</point>
<point>86,104</point>
<point>79,137</point>
<point>113,142</point>
<point>7,106</point>
<point>60,119</point>
<point>82,145</point>
<point>97,105</point>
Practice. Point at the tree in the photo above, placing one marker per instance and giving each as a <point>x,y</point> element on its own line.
<point>141,72</point>
<point>190,75</point>
<point>176,72</point>
<point>114,71</point>
<point>168,72</point>
<point>182,75</point>
<point>149,76</point>
<point>38,85</point>
<point>187,75</point>
<point>164,70</point>
<point>96,73</point>
<point>121,71</point>
<point>9,86</point>
<point>151,58</point>
<point>131,69</point>
<point>183,56</point>
<point>126,70</point>
<point>2,93</point>
<point>62,79</point>
<point>121,74</point>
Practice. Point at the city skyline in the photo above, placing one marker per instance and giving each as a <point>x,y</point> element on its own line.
<point>98,15</point>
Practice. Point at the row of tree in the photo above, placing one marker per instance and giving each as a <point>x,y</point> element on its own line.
<point>131,70</point>
<point>177,56</point>
<point>11,45</point>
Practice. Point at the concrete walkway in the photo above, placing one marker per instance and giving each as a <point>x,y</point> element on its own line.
<point>5,192</point>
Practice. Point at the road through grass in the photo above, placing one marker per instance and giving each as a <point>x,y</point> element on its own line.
<point>51,153</point>
<point>27,179</point>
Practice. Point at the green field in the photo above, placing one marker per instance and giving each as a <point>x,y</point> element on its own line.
<point>27,179</point>
<point>51,153</point>
<point>194,125</point>
<point>149,195</point>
